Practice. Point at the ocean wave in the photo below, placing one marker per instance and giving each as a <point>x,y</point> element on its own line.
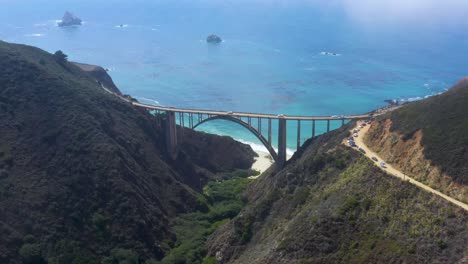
<point>414,99</point>
<point>148,100</point>
<point>34,35</point>
<point>55,22</point>
<point>122,26</point>
<point>261,148</point>
<point>327,53</point>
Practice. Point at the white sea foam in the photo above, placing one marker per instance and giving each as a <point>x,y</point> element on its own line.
<point>417,98</point>
<point>148,100</point>
<point>327,53</point>
<point>261,148</point>
<point>56,22</point>
<point>34,35</point>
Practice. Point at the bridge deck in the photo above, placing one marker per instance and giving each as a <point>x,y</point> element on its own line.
<point>245,114</point>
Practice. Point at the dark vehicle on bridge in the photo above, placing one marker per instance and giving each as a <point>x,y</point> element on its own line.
<point>374,159</point>
<point>362,150</point>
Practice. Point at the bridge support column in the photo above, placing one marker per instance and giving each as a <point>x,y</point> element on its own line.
<point>281,142</point>
<point>298,134</point>
<point>171,134</point>
<point>269,131</point>
<point>313,128</point>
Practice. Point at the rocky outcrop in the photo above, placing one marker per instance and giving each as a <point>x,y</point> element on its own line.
<point>213,39</point>
<point>100,75</point>
<point>69,20</point>
<point>463,81</point>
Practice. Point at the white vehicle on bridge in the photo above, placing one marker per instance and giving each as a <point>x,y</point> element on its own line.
<point>383,165</point>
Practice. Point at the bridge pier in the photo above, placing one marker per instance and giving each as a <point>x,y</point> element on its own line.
<point>313,128</point>
<point>298,134</point>
<point>269,131</point>
<point>281,142</point>
<point>171,134</point>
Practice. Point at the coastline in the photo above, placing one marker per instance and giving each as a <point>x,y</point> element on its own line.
<point>263,162</point>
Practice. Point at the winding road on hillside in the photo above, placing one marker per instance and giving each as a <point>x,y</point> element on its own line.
<point>394,172</point>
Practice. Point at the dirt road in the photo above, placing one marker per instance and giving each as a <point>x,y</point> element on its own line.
<point>394,172</point>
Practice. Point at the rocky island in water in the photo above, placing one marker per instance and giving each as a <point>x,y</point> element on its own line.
<point>213,39</point>
<point>69,20</point>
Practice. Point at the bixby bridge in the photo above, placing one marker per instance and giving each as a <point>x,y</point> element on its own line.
<point>259,125</point>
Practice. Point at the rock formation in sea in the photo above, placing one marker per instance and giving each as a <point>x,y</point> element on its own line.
<point>213,39</point>
<point>391,101</point>
<point>69,20</point>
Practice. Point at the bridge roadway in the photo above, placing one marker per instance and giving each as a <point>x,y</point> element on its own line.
<point>246,114</point>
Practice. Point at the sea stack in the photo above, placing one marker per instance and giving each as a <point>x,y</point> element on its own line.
<point>69,20</point>
<point>213,39</point>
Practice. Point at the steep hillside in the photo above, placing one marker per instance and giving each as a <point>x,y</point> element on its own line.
<point>428,140</point>
<point>330,205</point>
<point>84,177</point>
<point>99,74</point>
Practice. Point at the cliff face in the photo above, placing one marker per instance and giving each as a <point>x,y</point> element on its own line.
<point>83,175</point>
<point>100,75</point>
<point>408,155</point>
<point>329,205</point>
<point>428,140</point>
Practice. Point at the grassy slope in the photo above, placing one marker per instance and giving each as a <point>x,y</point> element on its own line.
<point>444,123</point>
<point>84,176</point>
<point>329,205</point>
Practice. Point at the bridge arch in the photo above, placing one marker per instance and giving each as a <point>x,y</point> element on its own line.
<point>259,136</point>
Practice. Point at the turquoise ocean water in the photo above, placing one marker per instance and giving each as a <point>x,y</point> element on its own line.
<point>274,57</point>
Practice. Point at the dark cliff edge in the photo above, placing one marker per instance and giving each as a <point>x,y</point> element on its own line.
<point>100,75</point>
<point>84,176</point>
<point>331,205</point>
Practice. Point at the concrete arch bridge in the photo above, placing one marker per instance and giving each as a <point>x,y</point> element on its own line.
<point>253,122</point>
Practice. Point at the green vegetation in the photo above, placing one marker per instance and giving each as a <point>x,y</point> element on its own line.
<point>331,205</point>
<point>121,256</point>
<point>59,56</point>
<point>444,124</point>
<point>31,254</point>
<point>224,201</point>
<point>85,177</point>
